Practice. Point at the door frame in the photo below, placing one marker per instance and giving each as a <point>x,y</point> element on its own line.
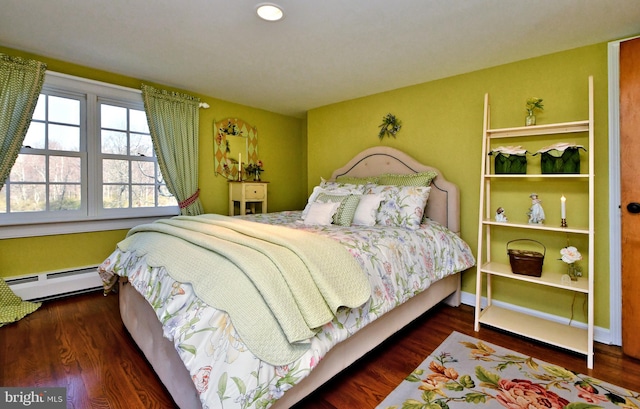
<point>615,226</point>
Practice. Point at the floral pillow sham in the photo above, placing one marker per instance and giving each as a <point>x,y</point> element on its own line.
<point>398,200</point>
<point>358,180</point>
<point>402,205</point>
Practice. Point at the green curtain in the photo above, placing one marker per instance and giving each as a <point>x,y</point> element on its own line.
<point>174,122</point>
<point>20,85</point>
<point>12,308</point>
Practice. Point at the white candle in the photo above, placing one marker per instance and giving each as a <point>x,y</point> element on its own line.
<point>239,160</point>
<point>563,207</point>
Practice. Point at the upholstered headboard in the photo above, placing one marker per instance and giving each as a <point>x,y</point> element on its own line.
<point>444,200</point>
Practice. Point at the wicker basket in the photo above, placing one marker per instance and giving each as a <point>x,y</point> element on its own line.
<point>526,262</point>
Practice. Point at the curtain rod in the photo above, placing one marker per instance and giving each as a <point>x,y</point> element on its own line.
<point>89,81</point>
<point>104,84</point>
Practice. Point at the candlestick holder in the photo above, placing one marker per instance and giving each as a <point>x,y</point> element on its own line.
<point>563,222</point>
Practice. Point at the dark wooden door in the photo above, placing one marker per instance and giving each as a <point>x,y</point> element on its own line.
<point>630,193</point>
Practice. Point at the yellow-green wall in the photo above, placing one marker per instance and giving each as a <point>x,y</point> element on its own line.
<point>442,126</point>
<point>281,146</point>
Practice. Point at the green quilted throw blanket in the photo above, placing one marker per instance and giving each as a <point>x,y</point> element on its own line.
<point>12,308</point>
<point>278,285</point>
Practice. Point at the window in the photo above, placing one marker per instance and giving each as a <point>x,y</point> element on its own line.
<point>130,174</point>
<point>87,157</point>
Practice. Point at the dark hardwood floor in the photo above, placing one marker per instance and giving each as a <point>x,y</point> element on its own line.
<point>80,343</point>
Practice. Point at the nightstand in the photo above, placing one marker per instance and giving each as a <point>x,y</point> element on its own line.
<point>247,192</point>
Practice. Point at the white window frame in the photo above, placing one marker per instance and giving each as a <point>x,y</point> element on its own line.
<point>94,218</point>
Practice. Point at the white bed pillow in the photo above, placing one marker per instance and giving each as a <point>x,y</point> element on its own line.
<point>321,214</point>
<point>367,210</point>
<point>312,198</point>
<point>402,205</point>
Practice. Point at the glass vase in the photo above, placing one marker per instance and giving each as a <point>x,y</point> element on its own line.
<point>573,271</point>
<point>256,176</point>
<point>530,120</point>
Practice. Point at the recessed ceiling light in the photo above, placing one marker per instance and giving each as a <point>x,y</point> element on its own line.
<point>269,12</point>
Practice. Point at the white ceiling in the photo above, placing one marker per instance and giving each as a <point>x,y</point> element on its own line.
<point>324,51</point>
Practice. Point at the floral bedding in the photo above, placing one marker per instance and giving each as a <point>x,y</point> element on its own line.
<point>399,263</point>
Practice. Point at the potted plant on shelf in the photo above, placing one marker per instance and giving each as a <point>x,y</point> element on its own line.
<point>570,255</point>
<point>510,159</point>
<point>561,157</point>
<point>533,103</point>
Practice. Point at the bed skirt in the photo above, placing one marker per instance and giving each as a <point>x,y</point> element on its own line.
<point>144,327</point>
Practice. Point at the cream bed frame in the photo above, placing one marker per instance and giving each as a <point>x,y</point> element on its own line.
<point>443,206</point>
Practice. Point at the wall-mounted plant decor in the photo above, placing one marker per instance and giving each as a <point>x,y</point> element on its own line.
<point>390,126</point>
<point>234,141</point>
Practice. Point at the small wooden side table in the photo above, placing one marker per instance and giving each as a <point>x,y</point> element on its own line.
<point>247,193</point>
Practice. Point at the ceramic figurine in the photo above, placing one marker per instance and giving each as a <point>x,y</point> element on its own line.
<point>500,215</point>
<point>535,213</point>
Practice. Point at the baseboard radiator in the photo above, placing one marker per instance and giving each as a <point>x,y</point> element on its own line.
<point>55,284</point>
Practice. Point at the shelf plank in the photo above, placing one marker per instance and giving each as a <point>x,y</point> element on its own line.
<point>539,329</point>
<point>536,130</point>
<point>547,227</point>
<point>548,278</point>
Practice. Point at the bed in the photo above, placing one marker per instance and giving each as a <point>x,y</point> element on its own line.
<point>236,377</point>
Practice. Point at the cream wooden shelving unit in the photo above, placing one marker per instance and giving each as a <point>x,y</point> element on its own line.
<point>565,336</point>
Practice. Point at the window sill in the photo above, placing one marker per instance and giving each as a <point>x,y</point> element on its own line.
<point>55,228</point>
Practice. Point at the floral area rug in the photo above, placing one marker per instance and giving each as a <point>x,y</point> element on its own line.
<point>466,372</point>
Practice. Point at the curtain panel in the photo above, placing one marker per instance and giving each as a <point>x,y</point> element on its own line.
<point>20,85</point>
<point>174,123</point>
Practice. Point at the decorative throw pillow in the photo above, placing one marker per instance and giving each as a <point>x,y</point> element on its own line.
<point>414,179</point>
<point>334,189</point>
<point>346,209</point>
<point>357,181</point>
<point>312,198</point>
<point>402,205</point>
<point>367,210</point>
<point>321,214</point>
